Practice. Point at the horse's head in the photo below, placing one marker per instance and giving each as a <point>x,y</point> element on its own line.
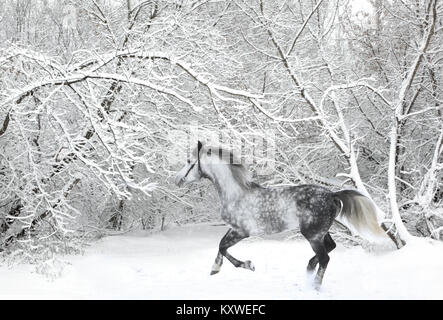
<point>192,170</point>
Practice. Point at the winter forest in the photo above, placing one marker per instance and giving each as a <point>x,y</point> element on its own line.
<point>102,101</point>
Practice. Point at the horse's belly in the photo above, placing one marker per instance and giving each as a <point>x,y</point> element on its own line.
<point>273,219</point>
<point>254,225</point>
<point>292,221</point>
<point>277,222</point>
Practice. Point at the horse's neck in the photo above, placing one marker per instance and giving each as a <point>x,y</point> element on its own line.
<point>227,187</point>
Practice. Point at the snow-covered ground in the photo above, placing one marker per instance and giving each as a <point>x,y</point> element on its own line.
<point>175,265</point>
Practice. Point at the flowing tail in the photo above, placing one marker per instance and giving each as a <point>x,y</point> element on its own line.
<point>359,214</point>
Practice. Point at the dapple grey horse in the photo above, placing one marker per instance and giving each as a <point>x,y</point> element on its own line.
<point>250,209</point>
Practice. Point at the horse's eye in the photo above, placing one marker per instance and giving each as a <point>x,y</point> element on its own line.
<point>188,161</point>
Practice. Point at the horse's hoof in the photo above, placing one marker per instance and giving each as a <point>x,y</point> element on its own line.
<point>310,274</point>
<point>249,265</point>
<point>215,268</point>
<point>317,286</point>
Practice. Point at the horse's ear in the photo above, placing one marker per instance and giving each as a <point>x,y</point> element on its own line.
<point>199,146</point>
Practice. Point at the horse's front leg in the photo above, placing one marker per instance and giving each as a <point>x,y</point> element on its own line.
<point>230,239</point>
<point>217,264</point>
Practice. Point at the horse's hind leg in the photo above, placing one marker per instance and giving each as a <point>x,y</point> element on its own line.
<point>323,259</point>
<point>231,238</point>
<point>329,245</point>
